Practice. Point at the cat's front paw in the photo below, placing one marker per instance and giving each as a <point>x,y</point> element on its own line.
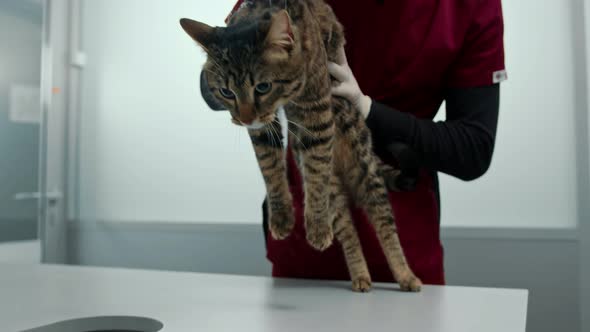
<point>410,283</point>
<point>281,224</point>
<point>319,231</point>
<point>361,284</point>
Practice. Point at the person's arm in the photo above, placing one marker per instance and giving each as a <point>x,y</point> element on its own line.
<point>462,146</point>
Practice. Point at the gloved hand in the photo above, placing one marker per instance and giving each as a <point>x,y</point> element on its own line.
<point>348,87</point>
<point>409,165</point>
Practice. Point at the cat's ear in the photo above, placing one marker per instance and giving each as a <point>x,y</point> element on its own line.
<point>280,40</point>
<point>199,32</point>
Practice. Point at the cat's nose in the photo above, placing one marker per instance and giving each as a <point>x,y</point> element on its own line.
<point>247,115</point>
<point>247,118</point>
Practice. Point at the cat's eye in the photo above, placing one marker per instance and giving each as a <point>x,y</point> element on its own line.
<point>226,93</point>
<point>263,88</point>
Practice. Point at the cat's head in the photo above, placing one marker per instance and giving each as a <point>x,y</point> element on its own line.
<point>252,67</point>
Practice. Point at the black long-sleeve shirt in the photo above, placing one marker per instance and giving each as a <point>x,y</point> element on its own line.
<point>462,146</point>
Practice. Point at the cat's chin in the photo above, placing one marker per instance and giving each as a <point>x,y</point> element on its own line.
<point>255,125</point>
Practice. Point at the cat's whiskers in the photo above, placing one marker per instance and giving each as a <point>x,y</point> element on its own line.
<point>278,136</point>
<point>294,103</point>
<point>275,136</point>
<point>293,134</point>
<point>307,131</point>
<point>298,138</point>
<point>271,134</point>
<point>268,132</point>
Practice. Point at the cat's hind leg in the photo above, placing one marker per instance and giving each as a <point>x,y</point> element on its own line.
<point>376,204</point>
<point>372,195</point>
<point>346,235</point>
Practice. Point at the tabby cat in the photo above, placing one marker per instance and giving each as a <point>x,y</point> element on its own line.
<point>275,56</point>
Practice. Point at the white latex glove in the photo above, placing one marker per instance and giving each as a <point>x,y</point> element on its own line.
<point>348,87</point>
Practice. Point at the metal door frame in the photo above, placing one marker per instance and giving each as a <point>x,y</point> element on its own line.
<point>52,219</point>
<point>583,148</point>
<point>582,38</point>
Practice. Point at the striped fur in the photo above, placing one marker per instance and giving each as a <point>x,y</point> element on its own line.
<point>290,50</point>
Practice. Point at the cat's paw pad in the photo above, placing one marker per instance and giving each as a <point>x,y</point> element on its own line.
<point>361,285</point>
<point>319,235</point>
<point>281,225</point>
<point>411,283</point>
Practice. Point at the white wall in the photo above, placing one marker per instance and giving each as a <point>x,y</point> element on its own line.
<point>532,180</point>
<point>151,150</point>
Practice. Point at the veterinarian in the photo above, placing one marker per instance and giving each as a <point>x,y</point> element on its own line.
<point>403,58</point>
